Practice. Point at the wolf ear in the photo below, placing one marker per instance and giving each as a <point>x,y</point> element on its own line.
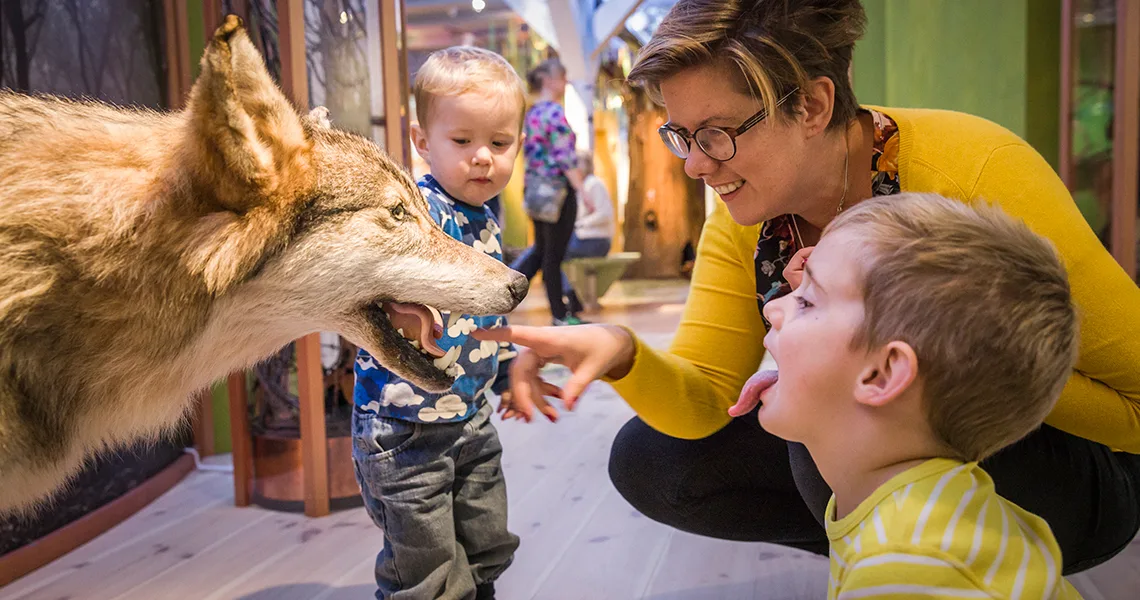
<point>250,144</point>
<point>318,118</point>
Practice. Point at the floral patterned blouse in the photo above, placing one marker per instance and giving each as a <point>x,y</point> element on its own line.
<point>550,143</point>
<point>778,240</point>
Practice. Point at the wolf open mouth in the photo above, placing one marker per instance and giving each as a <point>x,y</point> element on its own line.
<point>409,332</point>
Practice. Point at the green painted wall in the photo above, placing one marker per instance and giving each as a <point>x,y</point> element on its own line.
<point>1043,90</point>
<point>869,67</point>
<point>196,35</point>
<point>995,59</point>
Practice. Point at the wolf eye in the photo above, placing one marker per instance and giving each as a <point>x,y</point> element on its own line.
<point>399,212</point>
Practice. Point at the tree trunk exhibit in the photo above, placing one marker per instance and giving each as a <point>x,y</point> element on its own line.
<point>666,209</point>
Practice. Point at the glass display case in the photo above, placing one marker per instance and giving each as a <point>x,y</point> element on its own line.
<point>1100,128</point>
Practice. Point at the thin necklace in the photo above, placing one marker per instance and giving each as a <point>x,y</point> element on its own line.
<point>842,199</point>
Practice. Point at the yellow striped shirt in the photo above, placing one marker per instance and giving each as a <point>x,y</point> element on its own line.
<point>939,530</point>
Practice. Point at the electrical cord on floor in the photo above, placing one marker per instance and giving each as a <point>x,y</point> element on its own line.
<point>198,464</point>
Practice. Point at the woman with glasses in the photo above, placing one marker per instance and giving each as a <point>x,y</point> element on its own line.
<point>761,108</point>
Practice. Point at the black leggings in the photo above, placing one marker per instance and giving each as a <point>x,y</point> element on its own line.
<point>550,243</point>
<point>743,483</point>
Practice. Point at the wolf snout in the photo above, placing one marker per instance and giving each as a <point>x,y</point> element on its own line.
<point>518,286</point>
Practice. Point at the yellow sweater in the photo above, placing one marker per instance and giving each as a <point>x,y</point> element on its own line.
<point>686,391</point>
<point>939,530</point>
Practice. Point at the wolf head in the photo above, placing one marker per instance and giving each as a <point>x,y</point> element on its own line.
<point>319,222</point>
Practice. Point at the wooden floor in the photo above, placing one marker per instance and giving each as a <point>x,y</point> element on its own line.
<point>580,539</point>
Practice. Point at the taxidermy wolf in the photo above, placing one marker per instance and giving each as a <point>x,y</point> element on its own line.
<point>145,255</point>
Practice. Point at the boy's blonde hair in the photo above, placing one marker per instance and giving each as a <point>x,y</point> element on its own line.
<point>769,48</point>
<point>464,69</point>
<point>983,301</point>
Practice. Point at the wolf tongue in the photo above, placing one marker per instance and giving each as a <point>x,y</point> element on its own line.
<point>418,319</point>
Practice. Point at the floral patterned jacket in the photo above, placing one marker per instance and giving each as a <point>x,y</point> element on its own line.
<point>550,143</point>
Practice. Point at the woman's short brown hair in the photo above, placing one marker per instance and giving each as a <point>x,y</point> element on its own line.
<point>775,46</point>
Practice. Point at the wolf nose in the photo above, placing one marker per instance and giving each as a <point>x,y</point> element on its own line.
<point>518,287</point>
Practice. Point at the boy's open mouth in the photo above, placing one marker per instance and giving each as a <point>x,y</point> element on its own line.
<point>753,389</point>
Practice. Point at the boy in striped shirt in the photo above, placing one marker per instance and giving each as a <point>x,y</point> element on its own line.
<point>923,336</point>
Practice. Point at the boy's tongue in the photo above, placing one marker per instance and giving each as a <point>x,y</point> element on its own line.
<point>750,395</point>
<point>417,323</point>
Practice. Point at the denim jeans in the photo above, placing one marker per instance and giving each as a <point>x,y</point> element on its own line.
<point>587,248</point>
<point>437,491</point>
<point>527,263</point>
<point>550,243</point>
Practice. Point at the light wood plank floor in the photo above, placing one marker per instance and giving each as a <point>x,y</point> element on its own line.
<point>580,539</point>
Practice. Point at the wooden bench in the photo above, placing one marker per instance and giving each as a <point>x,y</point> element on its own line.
<point>592,277</point>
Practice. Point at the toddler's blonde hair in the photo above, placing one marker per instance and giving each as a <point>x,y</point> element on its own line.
<point>462,70</point>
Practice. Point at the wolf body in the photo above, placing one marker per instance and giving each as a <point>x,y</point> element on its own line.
<point>145,255</point>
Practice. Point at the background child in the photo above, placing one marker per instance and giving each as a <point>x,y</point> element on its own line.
<point>925,336</point>
<point>429,464</point>
<point>594,230</point>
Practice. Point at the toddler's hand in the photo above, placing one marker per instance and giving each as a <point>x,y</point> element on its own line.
<point>505,407</point>
<point>794,272</point>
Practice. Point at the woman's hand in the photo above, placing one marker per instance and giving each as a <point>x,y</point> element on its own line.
<point>591,352</point>
<point>794,272</point>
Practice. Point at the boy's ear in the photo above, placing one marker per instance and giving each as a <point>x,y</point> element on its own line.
<point>891,372</point>
<point>419,139</point>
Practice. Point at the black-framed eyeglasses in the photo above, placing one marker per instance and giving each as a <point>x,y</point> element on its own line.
<point>718,143</point>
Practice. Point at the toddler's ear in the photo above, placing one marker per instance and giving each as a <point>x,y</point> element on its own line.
<point>420,141</point>
<point>890,372</point>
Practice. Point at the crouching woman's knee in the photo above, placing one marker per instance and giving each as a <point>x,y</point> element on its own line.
<point>644,472</point>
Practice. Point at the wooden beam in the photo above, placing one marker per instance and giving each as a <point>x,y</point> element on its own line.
<point>291,45</point>
<point>211,17</point>
<point>240,438</point>
<point>310,376</point>
<point>1065,150</point>
<point>173,30</point>
<point>1126,134</point>
<point>394,70</point>
<point>241,9</point>
<point>608,20</point>
<point>314,442</point>
<point>182,54</point>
